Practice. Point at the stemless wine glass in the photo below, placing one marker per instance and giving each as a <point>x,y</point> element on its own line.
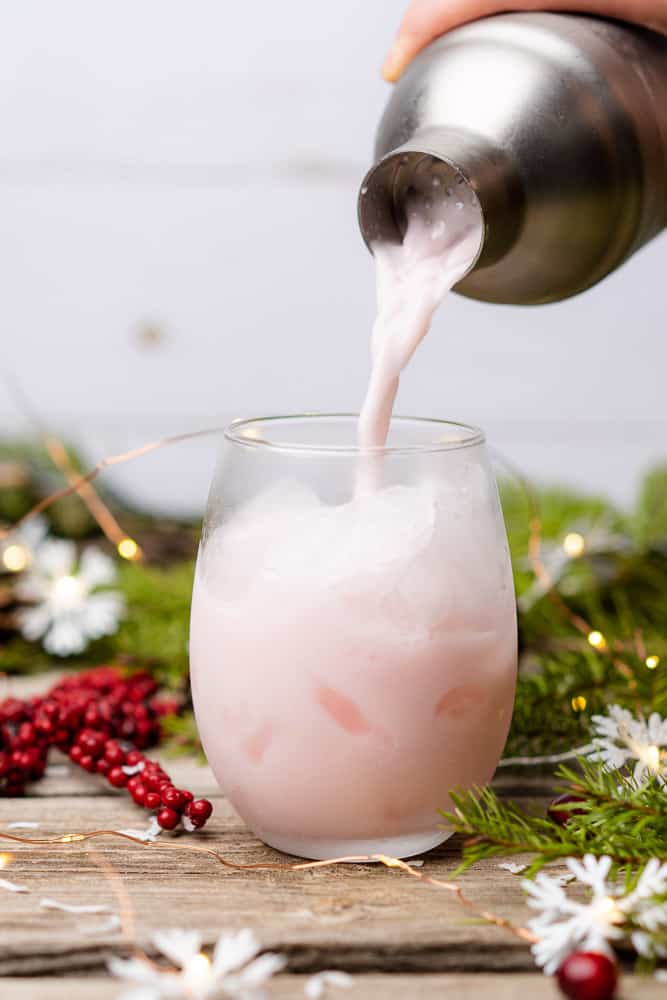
<point>353,637</point>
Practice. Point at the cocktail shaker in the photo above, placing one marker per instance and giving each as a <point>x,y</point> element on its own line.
<point>558,123</point>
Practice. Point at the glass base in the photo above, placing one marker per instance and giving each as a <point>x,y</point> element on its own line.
<point>322,850</point>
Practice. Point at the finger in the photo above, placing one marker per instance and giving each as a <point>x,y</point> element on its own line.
<point>428,19</point>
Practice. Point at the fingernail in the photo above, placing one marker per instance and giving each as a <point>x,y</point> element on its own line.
<point>398,57</point>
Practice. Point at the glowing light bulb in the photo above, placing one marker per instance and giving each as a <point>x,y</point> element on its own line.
<point>15,558</point>
<point>578,703</point>
<point>652,662</point>
<point>650,756</point>
<point>574,544</point>
<point>128,549</point>
<point>597,640</point>
<point>609,911</point>
<point>197,974</point>
<point>67,591</point>
<point>389,862</point>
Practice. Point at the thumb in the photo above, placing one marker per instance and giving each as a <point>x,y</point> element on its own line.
<point>426,20</point>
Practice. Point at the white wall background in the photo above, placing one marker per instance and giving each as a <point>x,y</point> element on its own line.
<point>193,168</point>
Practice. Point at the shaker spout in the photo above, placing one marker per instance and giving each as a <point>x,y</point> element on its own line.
<point>557,123</point>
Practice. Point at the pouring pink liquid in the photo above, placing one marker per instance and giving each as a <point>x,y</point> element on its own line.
<point>353,641</point>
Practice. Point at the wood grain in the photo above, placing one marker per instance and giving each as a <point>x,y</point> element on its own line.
<point>365,987</point>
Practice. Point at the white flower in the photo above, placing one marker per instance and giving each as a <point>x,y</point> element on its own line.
<point>317,986</point>
<point>67,613</point>
<point>234,971</point>
<point>621,739</point>
<point>566,925</point>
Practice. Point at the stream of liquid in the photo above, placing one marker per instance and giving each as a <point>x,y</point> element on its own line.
<point>441,242</point>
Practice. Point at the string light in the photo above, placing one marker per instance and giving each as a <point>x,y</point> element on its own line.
<point>652,662</point>
<point>597,640</point>
<point>128,549</point>
<point>610,912</point>
<point>650,756</point>
<point>4,860</point>
<point>15,558</point>
<point>578,703</point>
<point>197,974</point>
<point>574,544</point>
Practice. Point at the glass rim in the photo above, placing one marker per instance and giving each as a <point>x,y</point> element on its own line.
<point>233,433</point>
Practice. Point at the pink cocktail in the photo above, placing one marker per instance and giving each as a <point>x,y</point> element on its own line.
<point>353,653</point>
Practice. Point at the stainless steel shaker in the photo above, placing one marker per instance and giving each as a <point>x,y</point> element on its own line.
<point>558,123</point>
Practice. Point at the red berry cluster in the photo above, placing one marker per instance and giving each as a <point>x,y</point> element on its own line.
<point>103,719</point>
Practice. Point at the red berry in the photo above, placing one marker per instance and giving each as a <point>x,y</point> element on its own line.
<point>87,762</point>
<point>117,777</point>
<point>152,800</point>
<point>102,766</point>
<point>139,794</point>
<point>44,726</point>
<point>26,734</point>
<point>75,754</point>
<point>113,753</point>
<point>199,809</point>
<point>188,796</point>
<point>173,798</point>
<point>134,757</point>
<point>588,975</point>
<point>134,782</point>
<point>562,816</point>
<point>167,818</point>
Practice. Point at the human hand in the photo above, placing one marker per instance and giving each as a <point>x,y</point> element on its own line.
<point>427,19</point>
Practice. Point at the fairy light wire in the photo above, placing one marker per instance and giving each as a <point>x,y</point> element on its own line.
<point>69,839</point>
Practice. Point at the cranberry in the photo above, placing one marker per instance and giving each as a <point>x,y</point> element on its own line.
<point>75,754</point>
<point>152,800</point>
<point>562,816</point>
<point>117,777</point>
<point>113,753</point>
<point>102,766</point>
<point>199,809</point>
<point>139,794</point>
<point>26,734</point>
<point>588,975</point>
<point>134,757</point>
<point>167,818</point>
<point>173,798</point>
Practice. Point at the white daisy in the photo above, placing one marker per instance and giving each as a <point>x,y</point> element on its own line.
<point>234,971</point>
<point>67,610</point>
<point>622,739</point>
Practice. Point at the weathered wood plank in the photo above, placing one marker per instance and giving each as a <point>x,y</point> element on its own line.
<point>358,917</point>
<point>365,987</point>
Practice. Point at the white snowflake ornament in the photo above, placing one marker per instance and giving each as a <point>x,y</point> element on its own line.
<point>565,925</point>
<point>234,971</point>
<point>67,610</point>
<point>621,739</point>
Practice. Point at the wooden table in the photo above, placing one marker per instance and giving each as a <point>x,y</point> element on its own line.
<point>399,938</point>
